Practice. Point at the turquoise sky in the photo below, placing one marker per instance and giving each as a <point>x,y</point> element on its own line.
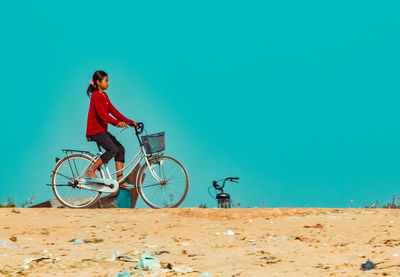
<point>297,98</point>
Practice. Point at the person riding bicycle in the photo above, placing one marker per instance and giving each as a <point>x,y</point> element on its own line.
<point>98,118</point>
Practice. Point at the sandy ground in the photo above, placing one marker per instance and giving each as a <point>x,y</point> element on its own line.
<point>257,242</point>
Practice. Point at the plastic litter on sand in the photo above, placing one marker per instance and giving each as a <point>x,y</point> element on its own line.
<point>150,246</point>
<point>77,241</point>
<point>368,265</point>
<point>48,258</point>
<point>116,255</point>
<point>155,252</point>
<point>227,233</point>
<point>123,274</point>
<point>8,244</point>
<point>148,263</point>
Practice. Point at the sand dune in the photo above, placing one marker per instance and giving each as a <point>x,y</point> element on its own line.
<point>231,242</point>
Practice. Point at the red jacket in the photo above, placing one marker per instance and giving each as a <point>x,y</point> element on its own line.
<point>99,110</point>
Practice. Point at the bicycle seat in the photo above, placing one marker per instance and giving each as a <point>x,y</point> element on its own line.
<point>89,139</point>
<point>223,196</point>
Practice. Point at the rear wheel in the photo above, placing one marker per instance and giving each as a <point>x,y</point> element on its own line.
<point>65,179</point>
<point>173,189</point>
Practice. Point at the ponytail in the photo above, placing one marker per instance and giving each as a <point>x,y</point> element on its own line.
<point>97,76</point>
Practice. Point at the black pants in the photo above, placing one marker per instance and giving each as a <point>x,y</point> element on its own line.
<point>112,146</point>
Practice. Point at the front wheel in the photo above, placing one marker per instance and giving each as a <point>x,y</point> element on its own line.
<point>171,191</point>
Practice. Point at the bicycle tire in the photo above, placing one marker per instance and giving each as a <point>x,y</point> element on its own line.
<point>148,191</point>
<point>71,162</point>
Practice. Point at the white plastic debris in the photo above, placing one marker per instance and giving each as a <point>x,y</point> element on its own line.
<point>183,270</point>
<point>116,255</point>
<point>8,244</point>
<point>48,258</point>
<point>227,233</point>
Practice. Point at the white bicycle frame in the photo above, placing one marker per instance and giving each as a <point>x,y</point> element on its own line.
<point>144,155</point>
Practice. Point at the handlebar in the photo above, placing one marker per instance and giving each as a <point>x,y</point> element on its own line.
<point>139,129</point>
<point>231,179</point>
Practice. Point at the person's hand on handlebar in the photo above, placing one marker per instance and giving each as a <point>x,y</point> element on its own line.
<point>121,124</point>
<point>135,124</point>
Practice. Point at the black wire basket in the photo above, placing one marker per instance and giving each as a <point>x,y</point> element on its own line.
<point>154,143</point>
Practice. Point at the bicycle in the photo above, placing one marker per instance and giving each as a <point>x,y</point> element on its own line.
<point>161,181</point>
<point>223,199</point>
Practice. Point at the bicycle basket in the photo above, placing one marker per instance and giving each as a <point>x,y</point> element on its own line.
<point>154,143</point>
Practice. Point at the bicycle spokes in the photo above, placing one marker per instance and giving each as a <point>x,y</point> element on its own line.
<point>65,182</point>
<point>171,190</point>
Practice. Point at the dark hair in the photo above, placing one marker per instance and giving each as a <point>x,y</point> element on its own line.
<point>97,76</point>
